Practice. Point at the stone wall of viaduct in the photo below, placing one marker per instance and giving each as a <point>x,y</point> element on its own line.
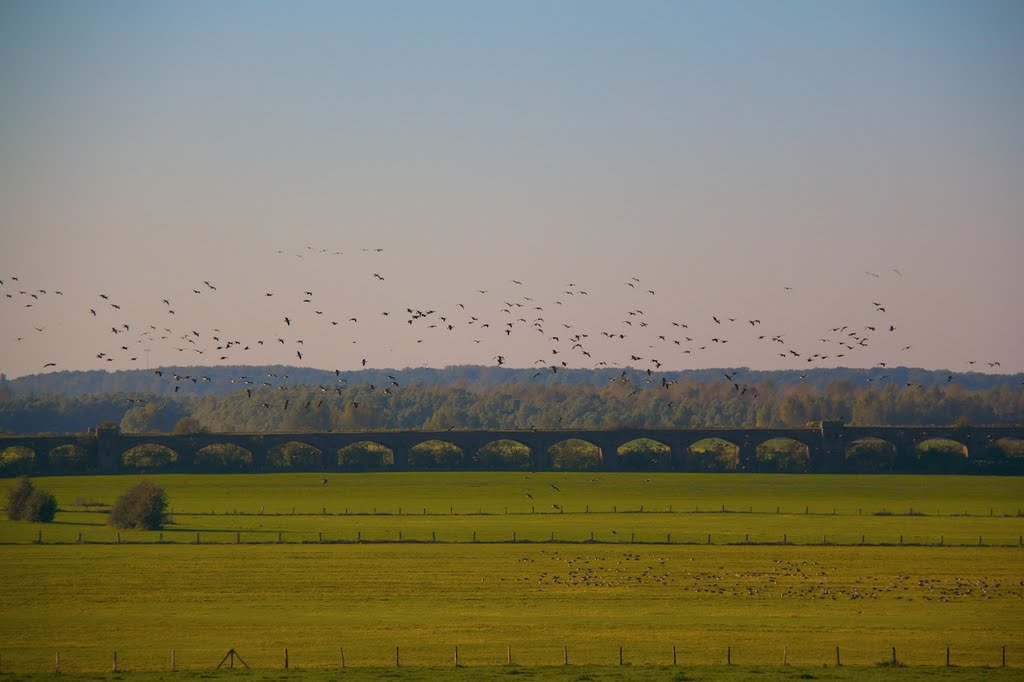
<point>826,446</point>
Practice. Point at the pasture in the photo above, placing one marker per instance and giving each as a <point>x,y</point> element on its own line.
<point>760,602</point>
<point>567,507</point>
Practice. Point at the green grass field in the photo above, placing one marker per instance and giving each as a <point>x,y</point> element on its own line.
<point>452,507</point>
<point>86,601</point>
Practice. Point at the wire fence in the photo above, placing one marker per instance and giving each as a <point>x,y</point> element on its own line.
<point>484,656</point>
<point>399,536</point>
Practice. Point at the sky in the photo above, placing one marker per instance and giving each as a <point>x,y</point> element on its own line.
<point>817,172</point>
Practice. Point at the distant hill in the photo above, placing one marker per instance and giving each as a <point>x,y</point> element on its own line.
<point>203,381</point>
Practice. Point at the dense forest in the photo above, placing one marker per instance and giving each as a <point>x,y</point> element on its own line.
<point>281,399</point>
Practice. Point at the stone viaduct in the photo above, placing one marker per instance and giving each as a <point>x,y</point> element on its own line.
<point>826,446</point>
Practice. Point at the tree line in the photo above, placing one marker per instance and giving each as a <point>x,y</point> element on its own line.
<point>620,403</point>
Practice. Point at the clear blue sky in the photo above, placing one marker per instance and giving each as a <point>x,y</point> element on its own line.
<point>719,152</point>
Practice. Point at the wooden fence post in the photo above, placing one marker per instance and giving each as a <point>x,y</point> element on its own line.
<point>456,656</point>
<point>508,655</point>
<point>1004,656</point>
<point>286,659</point>
<point>674,659</point>
<point>620,654</point>
<point>894,655</point>
<point>947,656</point>
<point>173,662</point>
<point>113,666</point>
<point>785,654</point>
<point>342,649</point>
<point>56,662</point>
<point>838,662</point>
<point>565,654</point>
<point>728,655</point>
<point>398,658</point>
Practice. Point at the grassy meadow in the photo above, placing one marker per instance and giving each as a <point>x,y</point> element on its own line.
<point>574,507</point>
<point>534,597</point>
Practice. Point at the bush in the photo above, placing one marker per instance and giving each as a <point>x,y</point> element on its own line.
<point>25,502</point>
<point>41,507</point>
<point>140,507</point>
<point>17,497</point>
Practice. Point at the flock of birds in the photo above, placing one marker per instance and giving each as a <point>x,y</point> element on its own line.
<point>502,319</point>
<point>779,578</point>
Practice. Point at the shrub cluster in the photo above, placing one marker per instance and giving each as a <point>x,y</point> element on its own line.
<point>142,506</point>
<point>25,502</point>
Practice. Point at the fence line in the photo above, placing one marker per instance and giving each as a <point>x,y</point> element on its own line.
<point>586,509</point>
<point>307,538</point>
<point>726,655</point>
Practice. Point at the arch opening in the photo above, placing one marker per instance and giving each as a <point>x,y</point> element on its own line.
<point>783,455</point>
<point>1005,448</point>
<point>645,454</point>
<point>148,457</point>
<point>436,455</point>
<point>70,458</point>
<point>504,454</point>
<point>575,454</point>
<point>713,454</point>
<point>17,460</point>
<point>223,457</point>
<point>867,455</point>
<point>941,455</point>
<point>365,455</point>
<point>294,456</point>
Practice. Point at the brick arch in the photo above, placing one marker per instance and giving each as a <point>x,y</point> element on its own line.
<point>295,455</point>
<point>870,454</point>
<point>719,458</point>
<point>224,456</point>
<point>18,459</point>
<point>359,457</point>
<point>767,458</point>
<point>933,459</point>
<point>72,457</point>
<point>149,456</point>
<point>559,455</point>
<point>485,460</point>
<point>658,456</point>
<point>450,455</point>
